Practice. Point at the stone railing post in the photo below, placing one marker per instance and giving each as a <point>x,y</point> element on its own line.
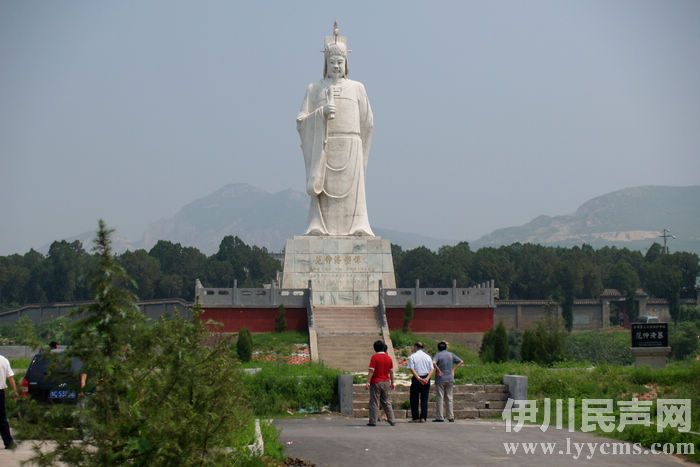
<point>417,292</point>
<point>273,293</point>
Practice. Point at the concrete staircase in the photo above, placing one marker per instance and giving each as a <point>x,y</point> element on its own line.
<point>469,401</point>
<point>345,335</point>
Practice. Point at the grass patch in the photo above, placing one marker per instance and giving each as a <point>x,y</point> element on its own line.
<point>679,380</point>
<point>273,448</point>
<point>279,342</point>
<point>279,346</point>
<point>599,347</point>
<point>21,362</point>
<point>403,346</point>
<point>280,388</point>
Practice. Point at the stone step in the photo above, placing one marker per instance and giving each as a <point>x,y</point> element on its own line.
<point>461,405</point>
<point>343,312</point>
<point>459,414</point>
<point>344,320</point>
<point>466,387</point>
<point>468,392</point>
<point>322,332</point>
<point>345,335</point>
<point>346,352</point>
<point>503,398</point>
<point>458,405</point>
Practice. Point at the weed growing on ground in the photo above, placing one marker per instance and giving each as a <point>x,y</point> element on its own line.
<point>280,388</point>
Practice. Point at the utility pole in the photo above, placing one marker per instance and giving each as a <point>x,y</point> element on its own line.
<point>666,235</point>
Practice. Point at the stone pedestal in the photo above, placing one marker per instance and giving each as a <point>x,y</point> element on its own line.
<point>517,387</point>
<point>343,270</point>
<point>655,357</point>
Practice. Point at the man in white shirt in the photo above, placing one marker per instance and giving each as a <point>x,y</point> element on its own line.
<point>421,365</point>
<point>6,376</point>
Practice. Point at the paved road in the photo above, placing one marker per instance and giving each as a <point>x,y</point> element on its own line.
<point>12,458</point>
<point>340,441</point>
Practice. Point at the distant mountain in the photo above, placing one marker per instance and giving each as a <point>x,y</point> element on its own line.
<point>256,216</point>
<point>632,218</point>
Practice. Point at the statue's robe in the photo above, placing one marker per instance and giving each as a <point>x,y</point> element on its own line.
<point>335,156</point>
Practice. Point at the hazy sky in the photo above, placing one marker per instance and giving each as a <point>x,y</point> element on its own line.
<point>487,114</point>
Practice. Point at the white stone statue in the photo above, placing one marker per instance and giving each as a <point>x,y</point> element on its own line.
<point>335,125</point>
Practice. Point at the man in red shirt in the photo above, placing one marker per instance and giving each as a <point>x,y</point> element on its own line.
<point>380,379</point>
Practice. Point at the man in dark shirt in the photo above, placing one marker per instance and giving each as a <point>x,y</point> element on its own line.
<point>380,380</point>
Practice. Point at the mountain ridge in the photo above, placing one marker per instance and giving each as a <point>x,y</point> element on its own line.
<point>631,217</point>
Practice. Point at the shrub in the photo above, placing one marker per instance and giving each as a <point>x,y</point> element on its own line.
<point>244,345</point>
<point>684,339</point>
<point>500,343</point>
<point>25,332</point>
<point>407,316</point>
<point>281,319</point>
<point>689,313</point>
<point>487,352</point>
<point>403,339</point>
<point>515,343</point>
<point>567,312</point>
<point>280,387</point>
<point>599,347</point>
<point>273,448</point>
<point>494,346</point>
<point>544,343</point>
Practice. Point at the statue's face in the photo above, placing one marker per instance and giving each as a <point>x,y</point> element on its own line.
<point>335,66</point>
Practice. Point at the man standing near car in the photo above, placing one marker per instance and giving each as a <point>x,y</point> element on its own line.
<point>6,376</point>
<point>445,365</point>
<point>421,366</point>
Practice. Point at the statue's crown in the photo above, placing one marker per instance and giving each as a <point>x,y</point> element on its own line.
<point>335,44</point>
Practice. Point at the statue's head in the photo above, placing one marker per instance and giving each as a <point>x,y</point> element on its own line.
<point>335,54</point>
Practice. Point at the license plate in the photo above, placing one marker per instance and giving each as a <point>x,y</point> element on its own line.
<point>60,394</point>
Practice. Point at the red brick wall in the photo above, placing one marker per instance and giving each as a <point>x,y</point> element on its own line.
<point>443,319</point>
<point>255,319</point>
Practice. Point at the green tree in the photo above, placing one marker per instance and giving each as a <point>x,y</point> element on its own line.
<point>684,340</point>
<point>592,283</point>
<point>494,345</point>
<point>281,319</point>
<point>422,264</point>
<point>664,279</point>
<point>171,286</point>
<point>244,345</point>
<point>67,271</point>
<point>57,329</point>
<point>570,281</point>
<point>144,269</point>
<point>157,386</point>
<point>407,316</point>
<point>624,278</point>
<point>544,343</point>
<point>25,332</point>
<point>654,252</point>
<point>35,289</point>
<point>491,263</point>
<point>487,351</point>
<point>500,341</point>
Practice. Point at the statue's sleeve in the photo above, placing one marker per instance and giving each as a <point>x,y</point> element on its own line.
<point>366,123</point>
<point>311,125</point>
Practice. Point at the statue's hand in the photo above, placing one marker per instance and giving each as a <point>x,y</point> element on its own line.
<point>329,110</point>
